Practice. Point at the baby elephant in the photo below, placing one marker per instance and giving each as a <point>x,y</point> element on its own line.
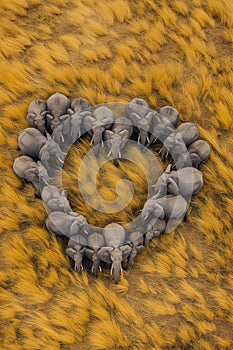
<point>67,224</point>
<point>56,199</point>
<point>118,137</point>
<point>36,115</point>
<point>76,250</point>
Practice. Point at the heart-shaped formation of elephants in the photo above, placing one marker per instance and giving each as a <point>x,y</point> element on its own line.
<point>56,124</point>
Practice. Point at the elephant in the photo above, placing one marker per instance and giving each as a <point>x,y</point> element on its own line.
<point>174,209</point>
<point>199,152</point>
<point>140,114</point>
<point>170,113</point>
<point>37,111</point>
<point>95,241</point>
<point>96,123</point>
<point>27,169</point>
<point>115,252</point>
<point>49,154</point>
<point>76,250</point>
<point>186,133</point>
<point>154,229</point>
<point>186,181</point>
<point>79,105</point>
<point>135,241</point>
<point>118,137</point>
<point>56,199</point>
<point>57,104</point>
<point>161,128</point>
<point>66,224</point>
<point>31,141</point>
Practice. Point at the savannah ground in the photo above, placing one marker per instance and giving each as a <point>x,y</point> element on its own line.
<point>178,294</point>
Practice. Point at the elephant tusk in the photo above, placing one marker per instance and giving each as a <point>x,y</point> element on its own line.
<point>46,182</point>
<point>62,138</point>
<point>92,140</point>
<point>108,155</point>
<point>119,154</point>
<point>146,217</point>
<point>121,272</point>
<point>173,166</point>
<point>100,268</point>
<point>102,143</point>
<point>51,178</point>
<point>79,134</point>
<point>139,139</point>
<point>92,269</point>
<point>85,231</point>
<point>60,160</point>
<point>166,154</point>
<point>65,154</point>
<point>111,271</point>
<point>148,140</point>
<point>160,150</point>
<point>155,139</point>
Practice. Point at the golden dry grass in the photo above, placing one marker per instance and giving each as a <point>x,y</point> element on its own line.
<point>178,294</point>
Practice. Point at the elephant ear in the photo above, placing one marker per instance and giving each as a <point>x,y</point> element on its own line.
<point>104,254</point>
<point>64,117</point>
<point>126,250</point>
<point>124,133</point>
<point>66,125</point>
<point>89,252</point>
<point>70,252</point>
<point>109,134</point>
<point>33,170</point>
<point>88,122</point>
<point>30,118</point>
<point>172,186</point>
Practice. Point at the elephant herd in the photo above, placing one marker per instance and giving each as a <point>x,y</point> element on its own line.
<point>58,123</point>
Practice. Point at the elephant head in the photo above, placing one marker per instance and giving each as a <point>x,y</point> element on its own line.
<point>79,225</point>
<point>95,124</point>
<point>165,184</point>
<point>36,115</point>
<point>152,209</point>
<point>114,256</point>
<point>76,250</point>
<point>80,104</point>
<point>170,113</point>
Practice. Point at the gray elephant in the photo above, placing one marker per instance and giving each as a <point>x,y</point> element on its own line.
<point>52,157</point>
<point>135,241</point>
<point>185,134</point>
<point>95,241</point>
<point>76,250</point>
<point>27,169</point>
<point>55,199</point>
<point>174,209</point>
<point>140,114</point>
<point>154,229</point>
<point>170,113</point>
<point>115,252</point>
<point>57,104</point>
<point>37,111</point>
<point>79,105</point>
<point>199,152</point>
<point>186,181</point>
<point>118,137</point>
<point>161,128</point>
<point>96,123</point>
<point>31,141</point>
<point>67,224</point>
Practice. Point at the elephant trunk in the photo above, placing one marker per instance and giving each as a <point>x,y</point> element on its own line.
<point>116,267</point>
<point>143,136</point>
<point>97,134</point>
<point>95,265</point>
<point>116,151</point>
<point>78,257</point>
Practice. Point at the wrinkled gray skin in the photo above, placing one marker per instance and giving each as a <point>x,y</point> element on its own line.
<point>187,182</point>
<point>174,208</point>
<point>27,169</point>
<point>188,133</point>
<point>67,224</point>
<point>170,113</point>
<point>96,123</point>
<point>139,113</point>
<point>31,141</point>
<point>76,251</point>
<point>55,198</point>
<point>115,251</point>
<point>154,229</point>
<point>135,241</point>
<point>118,137</point>
<point>199,152</point>
<point>51,156</point>
<point>161,128</point>
<point>57,104</point>
<point>95,241</point>
<point>36,115</point>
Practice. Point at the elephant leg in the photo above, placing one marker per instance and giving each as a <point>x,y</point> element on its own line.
<point>172,225</point>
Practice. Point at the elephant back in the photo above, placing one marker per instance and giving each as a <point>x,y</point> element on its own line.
<point>114,235</point>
